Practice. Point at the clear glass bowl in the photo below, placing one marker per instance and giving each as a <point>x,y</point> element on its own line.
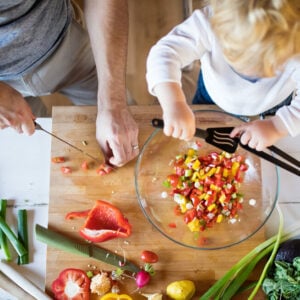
<point>259,188</point>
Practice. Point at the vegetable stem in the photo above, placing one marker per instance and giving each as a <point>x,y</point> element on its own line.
<point>3,239</point>
<point>12,238</point>
<point>23,235</point>
<point>272,256</point>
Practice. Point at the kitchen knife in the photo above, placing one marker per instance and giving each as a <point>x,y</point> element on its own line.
<point>39,127</point>
<point>63,242</point>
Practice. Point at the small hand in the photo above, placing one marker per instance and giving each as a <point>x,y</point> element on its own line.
<point>179,121</point>
<point>258,134</point>
<point>14,111</point>
<point>117,135</point>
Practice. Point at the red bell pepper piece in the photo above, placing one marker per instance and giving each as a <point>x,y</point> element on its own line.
<point>104,222</point>
<point>71,284</point>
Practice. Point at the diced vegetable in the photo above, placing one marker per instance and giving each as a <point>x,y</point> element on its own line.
<point>205,188</point>
<point>66,170</point>
<point>58,159</point>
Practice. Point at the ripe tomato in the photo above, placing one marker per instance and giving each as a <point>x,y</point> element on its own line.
<point>149,257</point>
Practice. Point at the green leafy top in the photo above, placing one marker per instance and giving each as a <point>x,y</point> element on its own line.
<point>283,281</point>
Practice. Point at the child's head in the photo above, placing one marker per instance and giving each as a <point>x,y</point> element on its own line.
<point>257,36</point>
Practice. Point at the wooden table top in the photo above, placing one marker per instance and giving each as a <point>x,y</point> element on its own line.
<point>79,190</point>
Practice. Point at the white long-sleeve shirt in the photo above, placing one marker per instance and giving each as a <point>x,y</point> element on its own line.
<point>194,40</point>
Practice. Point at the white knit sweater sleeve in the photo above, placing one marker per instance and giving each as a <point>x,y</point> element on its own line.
<point>290,115</point>
<point>183,45</point>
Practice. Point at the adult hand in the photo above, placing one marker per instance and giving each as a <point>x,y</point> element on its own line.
<point>259,134</point>
<point>14,111</point>
<point>117,134</point>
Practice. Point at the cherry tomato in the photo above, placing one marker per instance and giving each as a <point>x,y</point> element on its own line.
<point>58,159</point>
<point>149,257</point>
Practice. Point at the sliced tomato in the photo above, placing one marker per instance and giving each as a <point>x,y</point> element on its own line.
<point>58,159</point>
<point>104,222</point>
<point>71,284</point>
<point>85,165</point>
<point>104,169</point>
<point>66,170</point>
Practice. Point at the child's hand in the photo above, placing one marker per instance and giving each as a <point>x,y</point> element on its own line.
<point>259,134</point>
<point>179,121</point>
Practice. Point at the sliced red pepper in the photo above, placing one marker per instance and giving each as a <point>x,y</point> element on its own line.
<point>104,222</point>
<point>71,284</point>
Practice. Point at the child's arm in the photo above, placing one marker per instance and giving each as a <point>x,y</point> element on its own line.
<point>260,134</point>
<point>178,117</point>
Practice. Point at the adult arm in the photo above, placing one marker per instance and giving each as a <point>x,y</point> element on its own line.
<point>14,111</point>
<point>116,130</point>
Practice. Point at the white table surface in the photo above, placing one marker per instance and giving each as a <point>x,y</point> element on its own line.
<point>24,181</point>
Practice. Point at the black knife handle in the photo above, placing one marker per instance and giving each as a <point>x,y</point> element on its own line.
<point>157,123</point>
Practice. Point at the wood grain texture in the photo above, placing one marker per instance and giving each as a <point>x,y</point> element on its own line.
<point>79,190</point>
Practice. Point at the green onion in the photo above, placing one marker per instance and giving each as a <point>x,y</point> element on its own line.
<point>12,238</point>
<point>272,256</point>
<point>3,239</point>
<point>23,235</point>
<point>234,278</point>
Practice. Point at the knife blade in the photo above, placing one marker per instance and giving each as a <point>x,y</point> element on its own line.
<point>63,242</point>
<point>39,127</point>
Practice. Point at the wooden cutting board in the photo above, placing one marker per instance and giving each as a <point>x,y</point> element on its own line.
<point>79,190</point>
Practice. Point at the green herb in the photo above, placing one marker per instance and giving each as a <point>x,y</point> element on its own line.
<point>12,238</point>
<point>3,239</point>
<point>23,235</point>
<point>231,282</point>
<point>283,282</point>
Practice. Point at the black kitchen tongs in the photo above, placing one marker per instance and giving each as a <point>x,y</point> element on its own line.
<point>220,137</point>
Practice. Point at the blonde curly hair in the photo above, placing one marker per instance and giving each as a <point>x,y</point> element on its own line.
<point>257,35</point>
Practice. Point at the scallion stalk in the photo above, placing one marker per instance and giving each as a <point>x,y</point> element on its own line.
<point>215,292</point>
<point>272,256</point>
<point>12,238</point>
<point>3,239</point>
<point>23,235</point>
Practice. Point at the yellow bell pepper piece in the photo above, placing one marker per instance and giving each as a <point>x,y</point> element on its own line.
<point>113,296</point>
<point>194,225</point>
